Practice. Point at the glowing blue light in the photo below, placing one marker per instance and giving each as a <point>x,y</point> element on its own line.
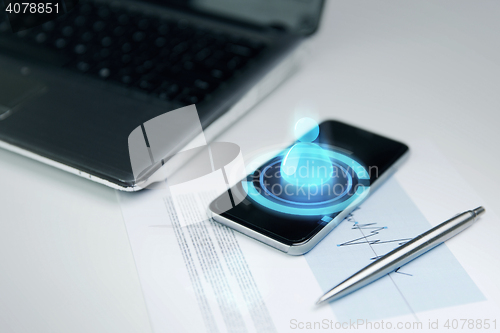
<point>306,130</point>
<point>347,188</point>
<point>330,206</point>
<point>360,193</point>
<point>306,164</point>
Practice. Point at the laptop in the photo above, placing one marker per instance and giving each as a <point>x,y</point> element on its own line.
<point>72,89</point>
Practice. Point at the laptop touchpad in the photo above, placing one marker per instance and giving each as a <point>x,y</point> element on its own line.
<point>16,89</point>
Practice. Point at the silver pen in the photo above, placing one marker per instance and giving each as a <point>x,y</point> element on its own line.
<point>403,254</point>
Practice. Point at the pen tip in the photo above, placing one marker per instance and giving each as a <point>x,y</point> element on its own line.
<point>321,300</point>
<point>479,210</point>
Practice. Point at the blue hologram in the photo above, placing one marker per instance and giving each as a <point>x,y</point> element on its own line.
<point>307,206</point>
<point>358,196</point>
<point>306,163</point>
<point>305,202</point>
<point>306,130</point>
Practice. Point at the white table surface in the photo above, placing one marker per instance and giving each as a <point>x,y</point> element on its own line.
<point>405,69</point>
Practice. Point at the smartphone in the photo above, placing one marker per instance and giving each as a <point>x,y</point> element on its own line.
<point>291,215</point>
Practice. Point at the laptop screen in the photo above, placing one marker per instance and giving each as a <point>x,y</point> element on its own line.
<point>298,16</point>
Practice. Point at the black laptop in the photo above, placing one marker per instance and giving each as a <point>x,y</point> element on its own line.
<point>72,89</point>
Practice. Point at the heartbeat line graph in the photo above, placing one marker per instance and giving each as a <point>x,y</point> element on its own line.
<point>372,237</point>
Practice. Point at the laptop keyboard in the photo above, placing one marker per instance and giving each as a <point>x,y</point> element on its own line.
<point>169,59</point>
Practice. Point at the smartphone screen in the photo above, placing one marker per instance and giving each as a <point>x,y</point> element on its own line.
<point>286,224</point>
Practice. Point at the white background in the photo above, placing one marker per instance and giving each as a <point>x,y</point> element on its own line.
<point>408,70</point>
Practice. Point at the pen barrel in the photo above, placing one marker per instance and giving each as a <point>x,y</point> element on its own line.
<point>423,243</point>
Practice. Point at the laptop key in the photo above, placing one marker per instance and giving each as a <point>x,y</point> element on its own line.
<point>80,49</point>
<point>60,43</point>
<point>150,82</point>
<point>167,91</point>
<point>104,72</point>
<point>98,26</point>
<point>190,96</point>
<point>80,65</point>
<point>49,26</point>
<point>234,63</point>
<point>239,50</point>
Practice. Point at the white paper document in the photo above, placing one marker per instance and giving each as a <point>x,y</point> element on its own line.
<point>205,277</point>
